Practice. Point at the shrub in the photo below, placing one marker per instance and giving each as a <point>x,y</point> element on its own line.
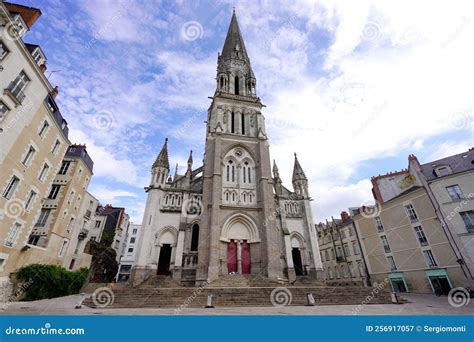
<point>50,281</point>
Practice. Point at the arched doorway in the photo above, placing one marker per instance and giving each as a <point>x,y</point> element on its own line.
<point>297,246</point>
<point>239,231</point>
<point>166,241</point>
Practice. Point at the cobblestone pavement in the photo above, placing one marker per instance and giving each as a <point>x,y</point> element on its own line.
<point>419,304</point>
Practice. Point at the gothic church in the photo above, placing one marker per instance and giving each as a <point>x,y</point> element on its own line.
<point>232,215</point>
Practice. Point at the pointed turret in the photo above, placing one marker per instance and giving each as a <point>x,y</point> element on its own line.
<point>276,179</point>
<point>276,174</point>
<point>162,159</point>
<point>190,160</point>
<point>234,72</point>
<point>298,173</point>
<point>300,182</point>
<point>161,167</point>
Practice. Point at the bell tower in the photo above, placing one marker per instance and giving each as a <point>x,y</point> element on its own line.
<point>238,219</point>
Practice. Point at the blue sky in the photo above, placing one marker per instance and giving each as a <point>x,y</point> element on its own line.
<point>352,87</point>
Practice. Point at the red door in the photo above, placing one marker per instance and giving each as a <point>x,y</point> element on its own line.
<point>245,258</point>
<point>232,257</point>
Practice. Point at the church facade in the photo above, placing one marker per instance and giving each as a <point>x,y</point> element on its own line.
<point>231,215</point>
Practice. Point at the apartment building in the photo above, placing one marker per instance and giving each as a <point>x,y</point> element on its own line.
<point>340,251</point>
<point>128,259</point>
<point>33,135</point>
<point>418,233</point>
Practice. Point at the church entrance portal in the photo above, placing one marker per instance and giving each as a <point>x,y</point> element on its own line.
<point>238,257</point>
<point>164,260</point>
<point>297,263</point>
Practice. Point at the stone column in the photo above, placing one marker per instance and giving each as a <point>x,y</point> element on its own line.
<point>178,261</point>
<point>289,259</point>
<point>239,256</point>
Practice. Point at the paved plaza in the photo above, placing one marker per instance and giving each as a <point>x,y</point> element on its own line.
<point>418,304</point>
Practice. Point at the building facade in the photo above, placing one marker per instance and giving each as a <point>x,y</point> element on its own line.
<point>229,215</point>
<point>414,235</point>
<point>33,137</point>
<point>128,259</point>
<point>340,251</point>
<point>110,228</point>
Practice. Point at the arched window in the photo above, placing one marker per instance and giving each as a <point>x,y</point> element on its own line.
<point>166,200</point>
<point>233,197</point>
<point>248,170</point>
<point>236,86</point>
<point>243,169</point>
<point>233,173</point>
<point>243,123</point>
<point>222,82</point>
<point>245,198</point>
<point>227,196</point>
<point>172,200</point>
<point>195,238</point>
<point>228,173</point>
<point>250,198</point>
<point>232,122</point>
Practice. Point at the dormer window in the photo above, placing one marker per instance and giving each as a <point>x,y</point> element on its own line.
<point>20,25</point>
<point>443,170</point>
<point>3,50</point>
<point>38,56</point>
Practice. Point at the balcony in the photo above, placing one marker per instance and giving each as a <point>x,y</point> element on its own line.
<point>83,233</point>
<point>87,215</point>
<point>15,94</point>
<point>340,259</point>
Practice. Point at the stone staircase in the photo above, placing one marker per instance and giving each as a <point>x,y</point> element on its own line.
<point>224,295</point>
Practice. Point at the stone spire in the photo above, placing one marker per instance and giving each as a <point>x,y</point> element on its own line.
<point>162,159</point>
<point>298,173</point>
<point>234,72</point>
<point>300,182</point>
<point>276,174</point>
<point>190,160</point>
<point>234,46</point>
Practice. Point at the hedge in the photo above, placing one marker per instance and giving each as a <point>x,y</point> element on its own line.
<point>50,281</point>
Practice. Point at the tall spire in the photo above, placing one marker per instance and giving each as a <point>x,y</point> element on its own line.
<point>234,46</point>
<point>234,72</point>
<point>275,170</point>
<point>162,159</point>
<point>190,160</point>
<point>298,173</point>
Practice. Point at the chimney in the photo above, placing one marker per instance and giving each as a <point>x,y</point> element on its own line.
<point>43,67</point>
<point>54,92</point>
<point>344,216</point>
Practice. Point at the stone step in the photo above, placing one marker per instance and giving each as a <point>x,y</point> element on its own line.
<point>242,296</point>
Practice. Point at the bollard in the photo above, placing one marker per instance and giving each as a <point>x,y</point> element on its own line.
<point>395,298</point>
<point>310,298</point>
<point>82,296</point>
<point>209,301</point>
